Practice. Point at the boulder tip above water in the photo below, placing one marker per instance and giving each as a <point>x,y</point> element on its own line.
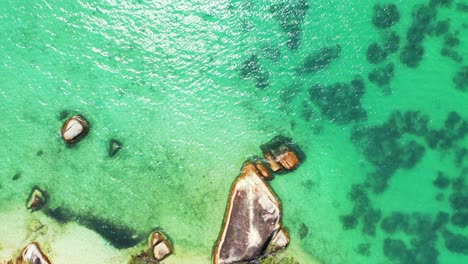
<point>36,200</point>
<point>32,253</point>
<point>74,129</point>
<point>161,247</point>
<point>114,147</point>
<point>281,154</point>
<point>252,219</point>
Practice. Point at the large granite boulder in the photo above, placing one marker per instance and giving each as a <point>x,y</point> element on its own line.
<point>32,253</point>
<point>74,129</point>
<point>252,219</point>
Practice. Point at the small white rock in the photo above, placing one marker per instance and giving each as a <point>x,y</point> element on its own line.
<point>74,129</point>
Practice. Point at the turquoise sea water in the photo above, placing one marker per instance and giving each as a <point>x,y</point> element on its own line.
<point>193,88</point>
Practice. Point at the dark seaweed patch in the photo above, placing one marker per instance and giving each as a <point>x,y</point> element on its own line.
<point>462,7</point>
<point>381,76</point>
<point>370,219</point>
<point>461,79</point>
<point>303,231</point>
<point>364,249</point>
<point>17,176</point>
<point>413,51</point>
<point>118,236</point>
<point>442,181</point>
<point>396,250</point>
<point>252,70</point>
<point>451,54</point>
<point>320,60</point>
<point>383,146</point>
<point>60,214</point>
<point>456,243</point>
<point>290,16</point>
<point>395,222</point>
<point>39,153</point>
<point>460,218</point>
<point>440,28</point>
<point>340,102</point>
<point>455,130</point>
<point>376,53</point>
<point>63,114</point>
<point>385,16</point>
<point>412,54</point>
<point>391,41</point>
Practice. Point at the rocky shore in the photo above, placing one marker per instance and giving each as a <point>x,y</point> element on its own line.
<point>252,226</point>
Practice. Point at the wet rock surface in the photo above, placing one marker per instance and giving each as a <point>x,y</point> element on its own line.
<point>74,129</point>
<point>36,199</point>
<point>114,147</point>
<point>253,218</point>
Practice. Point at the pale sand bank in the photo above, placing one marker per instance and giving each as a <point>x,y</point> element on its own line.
<point>72,243</point>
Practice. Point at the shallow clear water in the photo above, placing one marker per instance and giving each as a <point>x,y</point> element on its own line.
<point>164,78</point>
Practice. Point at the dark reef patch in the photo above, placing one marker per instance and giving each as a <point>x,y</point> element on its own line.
<point>382,76</point>
<point>340,102</point>
<point>17,176</point>
<point>376,53</point>
<point>412,54</point>
<point>290,16</point>
<point>461,79</point>
<point>63,114</point>
<point>320,60</point>
<point>456,243</point>
<point>460,218</point>
<point>385,16</point>
<point>118,236</point>
<point>384,146</point>
<point>391,41</point>
<point>455,129</point>
<point>442,181</point>
<point>395,222</point>
<point>364,249</point>
<point>303,231</point>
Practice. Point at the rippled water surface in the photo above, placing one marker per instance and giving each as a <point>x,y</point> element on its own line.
<point>374,92</point>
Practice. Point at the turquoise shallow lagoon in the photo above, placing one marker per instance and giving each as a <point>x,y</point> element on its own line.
<point>193,88</point>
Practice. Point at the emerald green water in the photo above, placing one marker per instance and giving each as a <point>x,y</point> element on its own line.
<point>164,79</point>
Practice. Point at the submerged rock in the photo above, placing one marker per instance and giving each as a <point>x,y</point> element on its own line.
<point>114,147</point>
<point>252,219</point>
<point>74,129</point>
<point>32,253</point>
<point>36,200</point>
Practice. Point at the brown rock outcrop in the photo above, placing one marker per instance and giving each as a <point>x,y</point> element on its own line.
<point>160,246</point>
<point>32,253</point>
<point>36,200</point>
<point>74,129</point>
<point>252,219</point>
<point>281,154</point>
